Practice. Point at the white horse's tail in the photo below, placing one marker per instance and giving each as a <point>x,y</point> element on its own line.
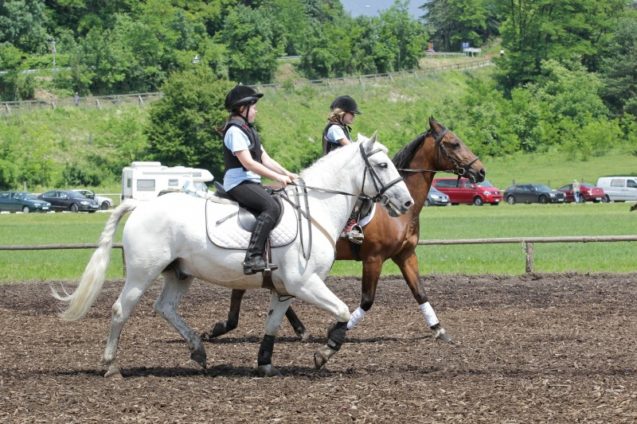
<point>92,280</point>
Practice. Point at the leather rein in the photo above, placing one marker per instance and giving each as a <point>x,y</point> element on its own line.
<point>304,210</point>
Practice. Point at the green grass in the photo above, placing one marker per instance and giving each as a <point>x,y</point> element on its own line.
<point>453,222</point>
<point>38,229</point>
<point>467,222</point>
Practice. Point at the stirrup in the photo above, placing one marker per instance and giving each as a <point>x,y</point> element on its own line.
<point>261,265</point>
<point>355,235</point>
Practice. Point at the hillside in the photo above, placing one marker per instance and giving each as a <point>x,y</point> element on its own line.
<point>291,117</point>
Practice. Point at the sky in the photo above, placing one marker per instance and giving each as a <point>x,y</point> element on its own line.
<point>372,7</point>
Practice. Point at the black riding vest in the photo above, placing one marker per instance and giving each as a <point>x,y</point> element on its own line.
<point>229,159</point>
<point>329,146</point>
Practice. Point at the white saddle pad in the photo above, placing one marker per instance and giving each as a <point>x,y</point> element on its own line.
<point>222,222</point>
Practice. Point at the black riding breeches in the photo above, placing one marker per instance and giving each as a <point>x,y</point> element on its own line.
<point>257,200</point>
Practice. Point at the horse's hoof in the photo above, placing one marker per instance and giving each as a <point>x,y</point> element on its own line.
<point>303,335</point>
<point>323,355</point>
<point>268,371</point>
<point>113,372</point>
<point>218,330</point>
<point>319,360</point>
<point>199,356</point>
<point>442,335</point>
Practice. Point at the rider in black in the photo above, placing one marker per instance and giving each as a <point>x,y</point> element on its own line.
<point>246,161</point>
<point>336,134</point>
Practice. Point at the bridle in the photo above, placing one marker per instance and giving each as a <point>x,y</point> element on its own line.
<point>299,184</point>
<point>459,169</point>
<point>380,187</point>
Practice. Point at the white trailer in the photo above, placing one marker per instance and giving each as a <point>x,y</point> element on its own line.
<point>144,180</point>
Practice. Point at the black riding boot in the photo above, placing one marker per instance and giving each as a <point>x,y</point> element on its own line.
<point>254,261</point>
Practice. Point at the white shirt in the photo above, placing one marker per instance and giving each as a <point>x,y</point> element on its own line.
<point>334,134</point>
<point>236,140</point>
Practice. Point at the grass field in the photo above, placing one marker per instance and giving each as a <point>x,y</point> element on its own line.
<point>453,222</point>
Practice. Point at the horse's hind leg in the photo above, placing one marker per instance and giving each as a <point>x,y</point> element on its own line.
<point>166,305</point>
<point>409,269</point>
<point>134,288</point>
<point>222,327</point>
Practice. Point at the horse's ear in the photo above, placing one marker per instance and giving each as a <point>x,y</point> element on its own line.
<point>369,143</point>
<point>433,124</point>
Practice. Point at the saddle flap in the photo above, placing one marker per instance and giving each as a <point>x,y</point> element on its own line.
<point>230,227</point>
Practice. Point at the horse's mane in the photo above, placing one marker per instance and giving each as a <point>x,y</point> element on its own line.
<point>406,154</point>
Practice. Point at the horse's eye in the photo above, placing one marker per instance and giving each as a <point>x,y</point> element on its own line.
<point>382,165</point>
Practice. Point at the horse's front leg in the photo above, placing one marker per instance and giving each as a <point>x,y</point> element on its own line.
<point>314,291</point>
<point>223,327</point>
<point>409,268</point>
<point>278,306</point>
<point>371,273</point>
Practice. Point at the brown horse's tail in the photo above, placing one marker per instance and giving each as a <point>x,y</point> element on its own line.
<point>633,207</point>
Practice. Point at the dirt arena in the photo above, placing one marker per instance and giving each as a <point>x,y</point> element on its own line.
<point>542,348</point>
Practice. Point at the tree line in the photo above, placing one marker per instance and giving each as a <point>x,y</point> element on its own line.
<point>565,78</point>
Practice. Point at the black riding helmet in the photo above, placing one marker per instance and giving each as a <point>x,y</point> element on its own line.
<point>345,103</point>
<point>241,95</point>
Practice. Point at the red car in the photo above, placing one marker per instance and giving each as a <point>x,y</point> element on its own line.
<point>589,193</point>
<point>464,191</point>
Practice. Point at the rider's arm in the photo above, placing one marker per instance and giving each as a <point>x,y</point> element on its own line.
<point>337,134</point>
<point>275,166</point>
<point>251,165</point>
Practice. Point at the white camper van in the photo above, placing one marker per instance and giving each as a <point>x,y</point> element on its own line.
<point>619,188</point>
<point>144,180</point>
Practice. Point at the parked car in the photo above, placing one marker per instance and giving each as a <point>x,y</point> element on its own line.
<point>465,191</point>
<point>436,197</point>
<point>619,188</point>
<point>15,201</point>
<point>588,192</point>
<point>68,200</point>
<point>532,193</point>
<point>104,202</point>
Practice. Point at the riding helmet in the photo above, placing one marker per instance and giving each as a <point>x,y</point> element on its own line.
<point>241,95</point>
<point>345,103</point>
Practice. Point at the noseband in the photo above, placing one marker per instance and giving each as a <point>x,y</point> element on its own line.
<point>380,187</point>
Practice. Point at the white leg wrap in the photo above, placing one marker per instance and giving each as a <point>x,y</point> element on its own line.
<point>430,315</point>
<point>356,316</point>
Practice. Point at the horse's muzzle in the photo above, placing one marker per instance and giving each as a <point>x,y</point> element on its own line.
<point>393,209</point>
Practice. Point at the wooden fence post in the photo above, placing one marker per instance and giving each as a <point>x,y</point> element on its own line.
<point>528,250</point>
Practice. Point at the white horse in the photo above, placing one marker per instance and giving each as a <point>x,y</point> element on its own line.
<point>168,235</point>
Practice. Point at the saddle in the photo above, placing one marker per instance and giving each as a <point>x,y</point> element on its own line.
<point>230,226</point>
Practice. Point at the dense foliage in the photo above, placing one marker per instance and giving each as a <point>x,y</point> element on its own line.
<point>565,81</point>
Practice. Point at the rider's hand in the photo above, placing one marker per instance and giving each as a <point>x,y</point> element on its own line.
<point>284,179</point>
<point>292,175</point>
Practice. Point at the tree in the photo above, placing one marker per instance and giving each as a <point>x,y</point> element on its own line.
<point>251,42</point>
<point>451,22</point>
<point>23,24</point>
<point>537,30</point>
<point>619,68</point>
<point>182,125</point>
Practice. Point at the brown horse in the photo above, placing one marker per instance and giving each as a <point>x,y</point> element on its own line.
<point>393,238</point>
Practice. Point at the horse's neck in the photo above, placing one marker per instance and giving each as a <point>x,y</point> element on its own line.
<point>418,183</point>
<point>328,208</point>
